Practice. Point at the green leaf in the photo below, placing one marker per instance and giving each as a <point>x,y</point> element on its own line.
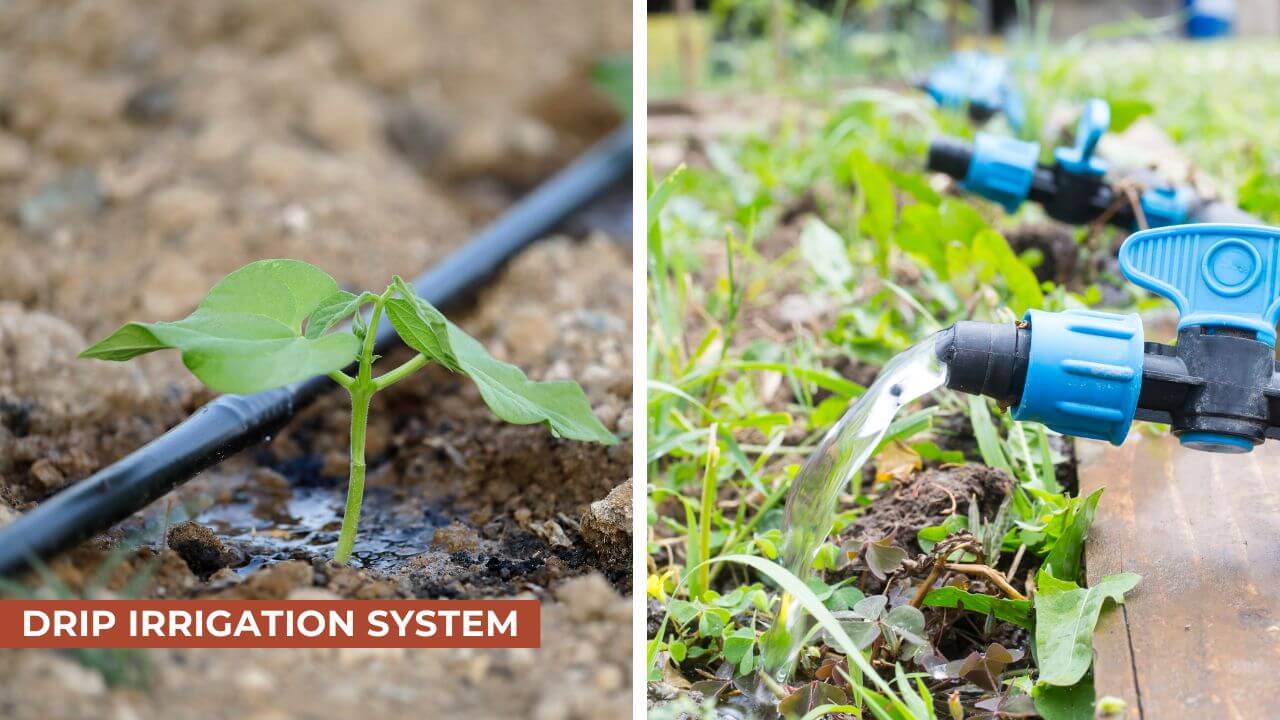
<point>738,643</point>
<point>845,598</point>
<point>246,335</point>
<point>561,404</point>
<point>984,429</point>
<point>1063,561</point>
<point>678,650</point>
<point>1065,703</point>
<point>805,599</point>
<point>421,325</point>
<point>1065,617</point>
<point>1125,111</point>
<point>919,236</point>
<point>824,250</point>
<point>713,622</point>
<point>333,310</point>
<point>1017,612</point>
<point>997,259</point>
<point>877,193</point>
<point>682,611</point>
<point>883,557</point>
<point>907,621</point>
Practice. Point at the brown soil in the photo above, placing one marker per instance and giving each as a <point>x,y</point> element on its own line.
<point>146,150</point>
<point>1056,246</point>
<point>929,497</point>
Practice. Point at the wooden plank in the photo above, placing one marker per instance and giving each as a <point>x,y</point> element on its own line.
<point>1200,635</point>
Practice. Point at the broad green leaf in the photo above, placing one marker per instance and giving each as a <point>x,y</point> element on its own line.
<point>738,643</point>
<point>1017,612</point>
<point>1063,561</point>
<point>862,632</point>
<point>845,598</point>
<point>421,326</point>
<point>1125,111</point>
<point>871,607</point>
<point>992,250</point>
<point>1065,617</point>
<point>920,236</point>
<point>1065,703</point>
<point>333,310</point>
<point>883,557</point>
<point>682,611</point>
<point>561,404</point>
<point>906,621</point>
<point>824,250</point>
<point>678,650</point>
<point>877,193</point>
<point>246,335</point>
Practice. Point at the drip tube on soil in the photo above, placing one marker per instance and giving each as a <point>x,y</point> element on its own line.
<point>231,423</point>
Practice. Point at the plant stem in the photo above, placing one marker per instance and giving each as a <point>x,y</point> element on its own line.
<point>361,389</point>
<point>355,483</point>
<point>989,573</point>
<point>708,506</point>
<point>392,377</point>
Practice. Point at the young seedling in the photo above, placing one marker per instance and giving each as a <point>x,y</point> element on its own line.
<point>269,324</point>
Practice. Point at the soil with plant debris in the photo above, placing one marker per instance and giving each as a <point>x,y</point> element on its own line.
<point>145,151</point>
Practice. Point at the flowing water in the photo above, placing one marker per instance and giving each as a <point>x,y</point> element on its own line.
<point>811,504</point>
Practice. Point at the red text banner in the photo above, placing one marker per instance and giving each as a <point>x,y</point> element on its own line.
<point>270,623</point>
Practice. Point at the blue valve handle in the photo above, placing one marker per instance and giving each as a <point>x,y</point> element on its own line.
<point>1079,159</point>
<point>1218,276</point>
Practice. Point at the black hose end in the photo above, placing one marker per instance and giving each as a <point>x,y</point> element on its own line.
<point>951,156</point>
<point>986,358</point>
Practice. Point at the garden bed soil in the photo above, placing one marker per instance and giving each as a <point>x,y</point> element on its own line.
<point>148,150</point>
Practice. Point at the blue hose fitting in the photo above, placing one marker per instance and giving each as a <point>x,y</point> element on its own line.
<point>1002,169</point>
<point>1165,206</point>
<point>1084,374</point>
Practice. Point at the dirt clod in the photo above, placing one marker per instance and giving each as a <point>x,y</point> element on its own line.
<point>606,526</point>
<point>1056,246</point>
<point>928,498</point>
<point>199,547</point>
<point>456,537</point>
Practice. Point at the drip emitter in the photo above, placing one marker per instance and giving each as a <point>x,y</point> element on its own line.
<point>1090,374</point>
<point>1075,188</point>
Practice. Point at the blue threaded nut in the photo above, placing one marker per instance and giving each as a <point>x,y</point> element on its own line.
<point>1084,373</point>
<point>1001,169</point>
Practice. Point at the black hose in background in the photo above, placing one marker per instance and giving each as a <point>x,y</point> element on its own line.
<point>231,423</point>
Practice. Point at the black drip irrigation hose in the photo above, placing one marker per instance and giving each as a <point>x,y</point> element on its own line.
<point>231,423</point>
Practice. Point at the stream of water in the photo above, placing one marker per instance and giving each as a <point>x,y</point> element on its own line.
<point>811,504</point>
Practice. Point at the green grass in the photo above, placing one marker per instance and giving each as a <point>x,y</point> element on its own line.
<point>786,265</point>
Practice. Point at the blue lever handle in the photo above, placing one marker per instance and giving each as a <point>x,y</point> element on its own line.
<point>1218,276</point>
<point>1094,121</point>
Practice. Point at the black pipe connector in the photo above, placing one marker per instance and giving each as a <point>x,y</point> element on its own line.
<point>986,359</point>
<point>1218,389</point>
